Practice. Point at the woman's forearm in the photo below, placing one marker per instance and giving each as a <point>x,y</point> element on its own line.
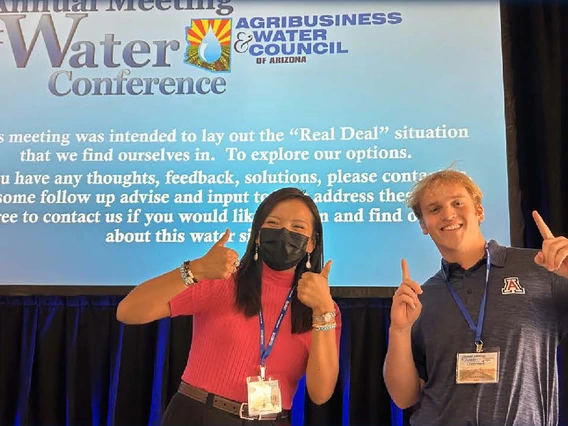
<point>323,366</point>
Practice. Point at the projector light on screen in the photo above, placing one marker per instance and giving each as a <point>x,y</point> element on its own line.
<point>135,133</point>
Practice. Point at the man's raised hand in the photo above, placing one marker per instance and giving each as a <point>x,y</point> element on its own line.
<point>554,253</point>
<point>406,306</point>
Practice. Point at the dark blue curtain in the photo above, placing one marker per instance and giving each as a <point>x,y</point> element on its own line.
<point>67,361</point>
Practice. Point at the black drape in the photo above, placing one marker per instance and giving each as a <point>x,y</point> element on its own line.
<point>535,53</point>
<point>67,361</point>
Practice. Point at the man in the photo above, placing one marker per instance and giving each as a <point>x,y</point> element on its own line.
<point>476,345</point>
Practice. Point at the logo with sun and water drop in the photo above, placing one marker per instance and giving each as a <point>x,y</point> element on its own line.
<point>209,44</point>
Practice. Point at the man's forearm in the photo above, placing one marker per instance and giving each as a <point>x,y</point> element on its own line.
<point>401,377</point>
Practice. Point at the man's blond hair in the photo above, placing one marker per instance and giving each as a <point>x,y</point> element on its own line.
<point>437,178</point>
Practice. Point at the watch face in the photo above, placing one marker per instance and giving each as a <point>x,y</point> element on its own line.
<point>328,316</point>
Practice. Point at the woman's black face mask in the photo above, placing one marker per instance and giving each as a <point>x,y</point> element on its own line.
<point>281,249</point>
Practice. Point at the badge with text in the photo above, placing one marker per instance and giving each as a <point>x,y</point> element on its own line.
<point>263,396</point>
<point>478,367</point>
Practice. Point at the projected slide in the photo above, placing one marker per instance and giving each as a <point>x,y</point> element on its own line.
<point>133,133</point>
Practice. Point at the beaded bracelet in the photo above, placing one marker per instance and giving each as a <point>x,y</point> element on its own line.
<point>326,327</point>
<point>186,275</point>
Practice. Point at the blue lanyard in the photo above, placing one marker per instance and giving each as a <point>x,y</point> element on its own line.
<point>479,327</point>
<point>264,352</point>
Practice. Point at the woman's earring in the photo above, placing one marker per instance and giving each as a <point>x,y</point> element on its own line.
<point>308,264</point>
<point>255,257</point>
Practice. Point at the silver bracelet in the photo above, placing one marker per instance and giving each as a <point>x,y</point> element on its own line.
<point>186,275</point>
<point>326,327</point>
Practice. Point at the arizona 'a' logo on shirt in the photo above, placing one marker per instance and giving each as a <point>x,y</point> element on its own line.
<point>512,286</point>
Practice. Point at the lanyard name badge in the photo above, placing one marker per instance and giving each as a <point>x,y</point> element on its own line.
<point>264,395</point>
<point>481,366</point>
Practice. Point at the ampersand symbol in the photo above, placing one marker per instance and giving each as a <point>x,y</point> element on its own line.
<point>241,45</point>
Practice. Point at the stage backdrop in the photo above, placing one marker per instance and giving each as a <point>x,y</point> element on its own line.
<point>134,133</point>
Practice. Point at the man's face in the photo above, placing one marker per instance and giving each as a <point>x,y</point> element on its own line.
<point>450,217</point>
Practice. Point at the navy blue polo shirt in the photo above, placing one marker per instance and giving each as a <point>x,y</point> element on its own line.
<point>525,317</point>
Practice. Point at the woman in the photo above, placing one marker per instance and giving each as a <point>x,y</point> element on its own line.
<point>258,325</point>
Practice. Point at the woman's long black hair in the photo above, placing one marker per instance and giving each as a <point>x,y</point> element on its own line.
<point>249,273</point>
